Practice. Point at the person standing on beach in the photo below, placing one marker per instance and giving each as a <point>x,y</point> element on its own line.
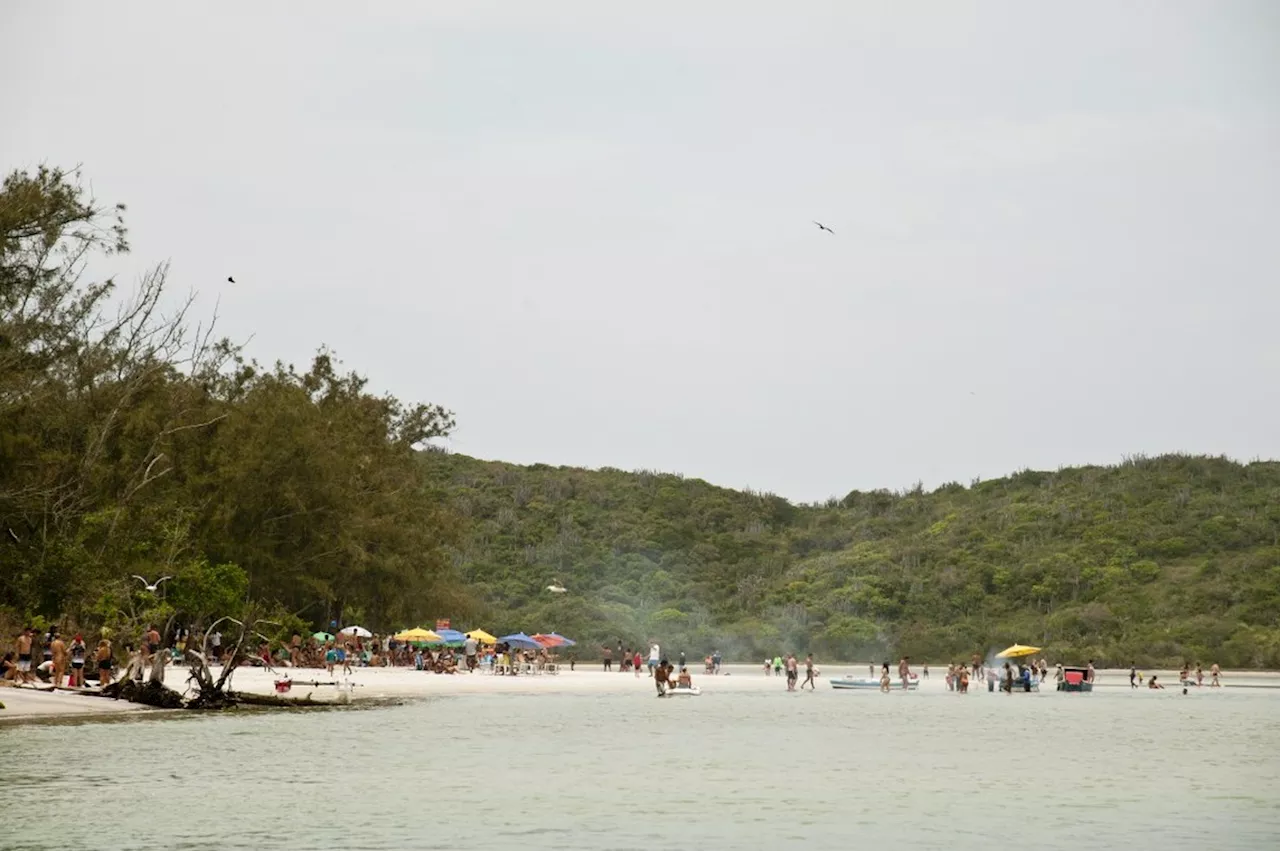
<point>716,659</point>
<point>655,655</point>
<point>637,664</point>
<point>793,671</point>
<point>1133,674</point>
<point>78,651</point>
<point>103,657</point>
<point>150,644</point>
<point>59,648</point>
<point>215,646</point>
<point>607,662</point>
<point>25,641</point>
<point>1214,673</point>
<point>809,671</point>
<point>904,671</point>
<point>46,647</point>
<point>469,648</point>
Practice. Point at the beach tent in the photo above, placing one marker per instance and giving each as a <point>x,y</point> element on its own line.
<point>519,639</point>
<point>482,636</point>
<point>1017,651</point>
<point>418,635</point>
<point>451,637</point>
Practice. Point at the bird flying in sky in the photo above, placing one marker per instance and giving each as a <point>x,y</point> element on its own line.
<point>230,280</point>
<point>151,587</point>
<point>821,226</point>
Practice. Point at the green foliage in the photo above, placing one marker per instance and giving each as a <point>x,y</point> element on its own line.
<point>132,441</point>
<point>1156,560</point>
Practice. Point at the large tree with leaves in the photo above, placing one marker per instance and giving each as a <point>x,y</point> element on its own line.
<point>134,441</point>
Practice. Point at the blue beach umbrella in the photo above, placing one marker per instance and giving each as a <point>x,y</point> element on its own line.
<point>451,637</point>
<point>520,640</point>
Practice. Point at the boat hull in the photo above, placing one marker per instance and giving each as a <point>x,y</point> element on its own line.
<point>867,684</point>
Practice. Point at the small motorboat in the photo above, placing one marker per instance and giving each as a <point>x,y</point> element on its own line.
<point>872,684</point>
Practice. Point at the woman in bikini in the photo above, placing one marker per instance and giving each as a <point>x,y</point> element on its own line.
<point>104,663</point>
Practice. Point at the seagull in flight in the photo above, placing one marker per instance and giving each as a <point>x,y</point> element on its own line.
<point>557,588</point>
<point>230,280</point>
<point>151,587</point>
<point>821,226</point>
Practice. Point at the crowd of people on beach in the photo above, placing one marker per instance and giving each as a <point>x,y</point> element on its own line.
<point>48,658</point>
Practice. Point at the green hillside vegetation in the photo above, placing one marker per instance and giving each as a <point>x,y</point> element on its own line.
<point>1158,560</point>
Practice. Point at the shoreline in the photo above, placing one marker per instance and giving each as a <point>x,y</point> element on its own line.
<point>374,685</point>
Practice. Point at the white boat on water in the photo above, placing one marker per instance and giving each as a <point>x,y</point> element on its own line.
<point>873,684</point>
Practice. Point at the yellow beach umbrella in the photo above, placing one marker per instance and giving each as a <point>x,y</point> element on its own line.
<point>1016,651</point>
<point>482,636</point>
<point>417,634</point>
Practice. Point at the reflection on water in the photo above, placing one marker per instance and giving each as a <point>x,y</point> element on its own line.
<point>726,770</point>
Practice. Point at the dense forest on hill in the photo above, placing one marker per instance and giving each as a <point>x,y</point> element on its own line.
<point>136,442</point>
<point>1156,560</point>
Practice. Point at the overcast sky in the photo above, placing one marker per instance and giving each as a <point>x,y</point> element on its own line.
<point>586,227</point>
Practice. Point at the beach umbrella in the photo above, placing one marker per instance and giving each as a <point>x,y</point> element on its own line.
<point>450,637</point>
<point>519,639</point>
<point>322,636</point>
<point>482,636</point>
<point>552,639</point>
<point>1016,651</point>
<point>358,631</point>
<point>418,635</point>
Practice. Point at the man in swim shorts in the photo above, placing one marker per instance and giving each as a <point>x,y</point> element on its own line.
<point>24,655</point>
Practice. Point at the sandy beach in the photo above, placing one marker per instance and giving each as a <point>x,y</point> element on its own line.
<point>375,684</point>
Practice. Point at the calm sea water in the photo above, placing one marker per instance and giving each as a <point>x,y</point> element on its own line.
<point>725,770</point>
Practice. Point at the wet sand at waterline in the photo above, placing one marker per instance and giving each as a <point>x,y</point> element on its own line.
<point>594,761</point>
<point>375,684</point>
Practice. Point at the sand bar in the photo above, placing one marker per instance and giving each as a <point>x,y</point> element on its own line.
<point>370,684</point>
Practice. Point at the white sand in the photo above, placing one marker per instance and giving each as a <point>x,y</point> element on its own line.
<point>23,704</point>
<point>404,683</point>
